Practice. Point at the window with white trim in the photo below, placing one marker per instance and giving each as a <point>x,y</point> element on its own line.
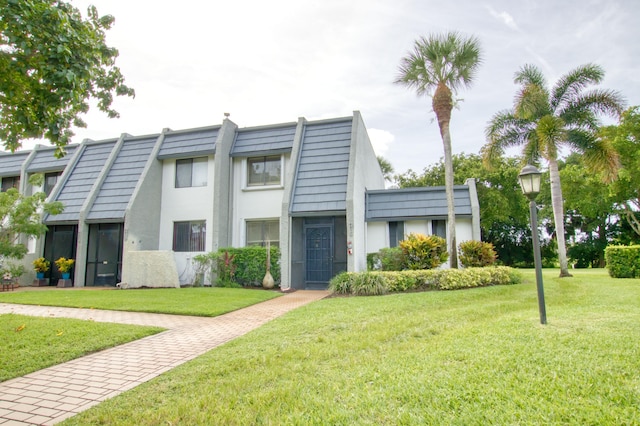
<point>189,236</point>
<point>396,233</point>
<point>9,182</point>
<point>263,171</point>
<point>439,228</point>
<point>261,231</point>
<point>191,172</point>
<point>50,180</point>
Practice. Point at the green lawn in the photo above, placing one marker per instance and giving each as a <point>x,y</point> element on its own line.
<point>470,357</point>
<point>32,343</point>
<point>199,301</point>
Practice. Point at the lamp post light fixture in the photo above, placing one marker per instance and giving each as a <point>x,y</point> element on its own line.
<point>529,179</point>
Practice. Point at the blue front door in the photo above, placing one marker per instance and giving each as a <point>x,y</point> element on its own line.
<point>318,254</point>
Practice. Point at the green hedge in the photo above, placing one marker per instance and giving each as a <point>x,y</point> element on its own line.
<point>623,261</point>
<point>382,282</point>
<point>248,264</point>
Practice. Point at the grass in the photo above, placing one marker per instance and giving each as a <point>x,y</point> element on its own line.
<point>199,301</point>
<point>33,343</point>
<point>470,357</point>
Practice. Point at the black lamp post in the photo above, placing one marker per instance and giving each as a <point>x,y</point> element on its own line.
<point>529,179</point>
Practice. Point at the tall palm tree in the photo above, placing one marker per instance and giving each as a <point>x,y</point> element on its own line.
<point>544,122</point>
<point>441,64</point>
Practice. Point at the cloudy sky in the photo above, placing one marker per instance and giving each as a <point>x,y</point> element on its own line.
<point>268,62</point>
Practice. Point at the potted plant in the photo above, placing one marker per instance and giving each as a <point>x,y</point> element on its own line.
<point>64,266</point>
<point>41,265</point>
<point>10,275</point>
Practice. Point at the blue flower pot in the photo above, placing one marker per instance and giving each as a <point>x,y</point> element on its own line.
<point>66,275</point>
<point>40,275</point>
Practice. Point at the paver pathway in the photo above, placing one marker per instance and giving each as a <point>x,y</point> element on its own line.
<point>51,395</point>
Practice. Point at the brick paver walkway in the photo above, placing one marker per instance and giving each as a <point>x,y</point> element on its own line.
<point>51,395</point>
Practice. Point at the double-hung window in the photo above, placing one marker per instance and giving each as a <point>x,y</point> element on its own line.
<point>261,231</point>
<point>191,172</point>
<point>189,236</point>
<point>10,182</point>
<point>50,180</point>
<point>263,171</point>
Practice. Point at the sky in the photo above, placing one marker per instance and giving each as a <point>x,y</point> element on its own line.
<point>269,62</point>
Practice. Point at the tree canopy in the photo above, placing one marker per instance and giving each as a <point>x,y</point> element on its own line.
<point>20,215</point>
<point>544,120</point>
<point>52,62</point>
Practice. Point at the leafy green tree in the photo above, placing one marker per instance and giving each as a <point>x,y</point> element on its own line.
<point>544,121</point>
<point>626,189</point>
<point>20,217</point>
<point>590,211</point>
<point>53,61</point>
<point>442,64</point>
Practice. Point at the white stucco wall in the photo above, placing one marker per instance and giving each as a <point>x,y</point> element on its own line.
<point>185,204</point>
<point>417,227</point>
<point>377,236</point>
<point>364,173</point>
<point>253,203</point>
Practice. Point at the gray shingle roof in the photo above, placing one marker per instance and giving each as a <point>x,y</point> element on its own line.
<point>82,177</point>
<point>116,190</point>
<point>264,141</point>
<point>189,143</point>
<point>44,160</point>
<point>10,164</point>
<point>415,203</point>
<point>321,179</point>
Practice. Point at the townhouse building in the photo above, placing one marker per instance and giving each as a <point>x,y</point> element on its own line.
<point>139,208</point>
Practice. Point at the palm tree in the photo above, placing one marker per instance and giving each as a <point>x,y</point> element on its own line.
<point>386,168</point>
<point>442,64</point>
<point>544,122</point>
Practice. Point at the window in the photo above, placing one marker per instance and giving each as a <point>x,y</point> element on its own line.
<point>439,228</point>
<point>50,180</point>
<point>259,232</point>
<point>10,182</point>
<point>189,236</point>
<point>191,172</point>
<point>396,233</point>
<point>263,171</point>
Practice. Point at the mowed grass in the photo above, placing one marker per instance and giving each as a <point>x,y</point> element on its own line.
<point>470,357</point>
<point>33,343</point>
<point>199,301</point>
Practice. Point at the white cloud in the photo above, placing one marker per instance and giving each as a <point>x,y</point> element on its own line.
<point>380,139</point>
<point>506,18</point>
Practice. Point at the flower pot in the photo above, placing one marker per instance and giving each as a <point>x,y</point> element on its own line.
<point>40,275</point>
<point>66,275</point>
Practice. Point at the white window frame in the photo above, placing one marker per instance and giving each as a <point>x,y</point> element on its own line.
<point>274,240</point>
<point>246,163</point>
<point>202,166</point>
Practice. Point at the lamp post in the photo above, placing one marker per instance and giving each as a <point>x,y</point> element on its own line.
<point>529,179</point>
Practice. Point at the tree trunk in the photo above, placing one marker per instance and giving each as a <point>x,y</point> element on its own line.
<point>442,106</point>
<point>558,216</point>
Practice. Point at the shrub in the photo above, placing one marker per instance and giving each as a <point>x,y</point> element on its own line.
<point>623,261</point>
<point>392,259</point>
<point>381,282</point>
<point>243,266</point>
<point>424,252</point>
<point>205,266</point>
<point>476,254</point>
